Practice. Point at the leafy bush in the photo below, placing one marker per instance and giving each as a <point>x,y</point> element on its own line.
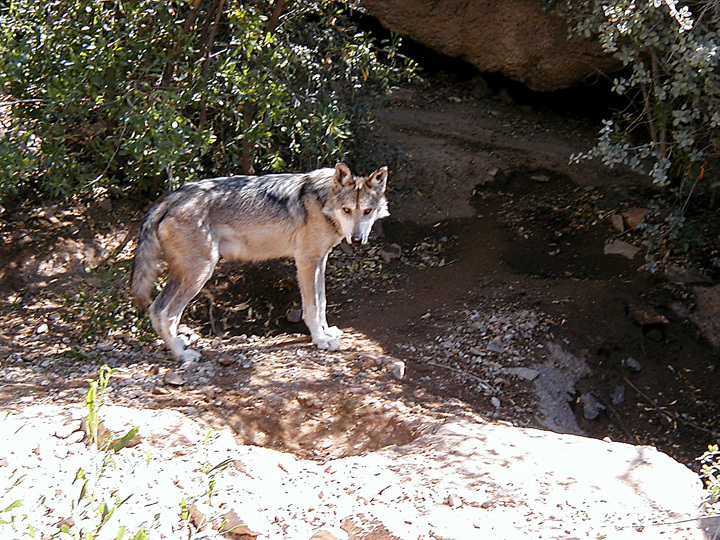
<point>671,57</point>
<point>141,93</point>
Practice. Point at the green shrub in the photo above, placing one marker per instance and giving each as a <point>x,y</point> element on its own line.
<point>671,57</point>
<point>143,94</point>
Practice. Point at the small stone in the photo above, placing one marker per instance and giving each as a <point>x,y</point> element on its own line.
<point>159,390</point>
<point>42,329</point>
<point>618,395</point>
<point>397,368</point>
<point>647,316</point>
<point>617,222</point>
<point>591,406</point>
<point>524,373</point>
<point>390,253</point>
<point>678,274</point>
<point>495,402</point>
<point>294,315</point>
<point>541,178</point>
<point>346,248</point>
<point>634,216</point>
<point>619,247</point>
<point>104,346</point>
<point>226,360</point>
<point>172,378</point>
<point>494,347</point>
<point>632,364</point>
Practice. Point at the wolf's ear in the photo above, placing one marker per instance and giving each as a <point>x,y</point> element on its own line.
<point>378,179</point>
<point>343,175</point>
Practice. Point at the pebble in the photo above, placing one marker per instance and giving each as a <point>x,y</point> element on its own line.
<point>494,347</point>
<point>591,406</point>
<point>226,360</point>
<point>632,364</point>
<point>104,346</point>
<point>397,368</point>
<point>618,395</point>
<point>42,329</point>
<point>173,379</point>
<point>495,401</point>
<point>294,315</point>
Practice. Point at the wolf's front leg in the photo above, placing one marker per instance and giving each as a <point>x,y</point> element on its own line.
<point>321,300</point>
<point>314,314</point>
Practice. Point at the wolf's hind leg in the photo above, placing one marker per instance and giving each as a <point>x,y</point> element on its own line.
<point>189,270</point>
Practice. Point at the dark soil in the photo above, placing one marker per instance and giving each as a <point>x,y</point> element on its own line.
<point>502,270</point>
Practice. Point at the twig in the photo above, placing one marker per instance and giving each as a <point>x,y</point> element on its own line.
<point>679,522</point>
<point>670,414</point>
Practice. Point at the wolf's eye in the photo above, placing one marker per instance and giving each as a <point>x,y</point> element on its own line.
<point>347,210</point>
<point>367,211</point>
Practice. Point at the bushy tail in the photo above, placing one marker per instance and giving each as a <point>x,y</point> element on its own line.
<point>146,265</point>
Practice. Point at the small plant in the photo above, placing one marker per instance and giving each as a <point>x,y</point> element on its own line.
<point>710,471</point>
<point>97,436</point>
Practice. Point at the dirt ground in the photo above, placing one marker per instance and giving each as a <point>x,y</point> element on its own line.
<point>501,302</point>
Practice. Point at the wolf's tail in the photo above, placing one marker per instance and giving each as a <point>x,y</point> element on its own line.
<point>148,256</point>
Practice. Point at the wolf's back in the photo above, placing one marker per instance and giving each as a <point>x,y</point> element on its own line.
<point>148,255</point>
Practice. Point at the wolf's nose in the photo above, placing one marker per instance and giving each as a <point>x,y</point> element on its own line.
<point>357,239</point>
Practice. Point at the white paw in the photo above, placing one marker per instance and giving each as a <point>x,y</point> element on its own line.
<point>333,331</point>
<point>326,343</point>
<point>189,355</point>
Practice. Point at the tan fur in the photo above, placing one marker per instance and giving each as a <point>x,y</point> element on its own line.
<point>253,219</point>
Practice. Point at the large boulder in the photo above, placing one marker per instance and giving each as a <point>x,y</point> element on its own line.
<point>518,39</point>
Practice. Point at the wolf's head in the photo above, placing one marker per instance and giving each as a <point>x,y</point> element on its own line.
<point>357,202</point>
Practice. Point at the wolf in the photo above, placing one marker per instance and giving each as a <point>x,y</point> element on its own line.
<point>252,218</point>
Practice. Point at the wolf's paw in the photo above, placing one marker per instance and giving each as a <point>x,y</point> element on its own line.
<point>333,331</point>
<point>326,343</point>
<point>189,355</point>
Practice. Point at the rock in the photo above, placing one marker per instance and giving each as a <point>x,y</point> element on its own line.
<point>495,402</point>
<point>634,216</point>
<point>294,315</point>
<point>678,274</point>
<point>226,360</point>
<point>591,406</point>
<point>524,373</point>
<point>618,395</point>
<point>631,364</point>
<point>540,178</point>
<point>617,222</point>
<point>707,313</point>
<point>390,253</point>
<point>494,347</point>
<point>323,535</point>
<point>620,247</point>
<point>42,329</point>
<point>172,378</point>
<point>647,316</point>
<point>397,368</point>
<point>519,39</point>
<point>104,346</point>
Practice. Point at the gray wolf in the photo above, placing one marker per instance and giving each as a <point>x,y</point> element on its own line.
<point>252,218</point>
